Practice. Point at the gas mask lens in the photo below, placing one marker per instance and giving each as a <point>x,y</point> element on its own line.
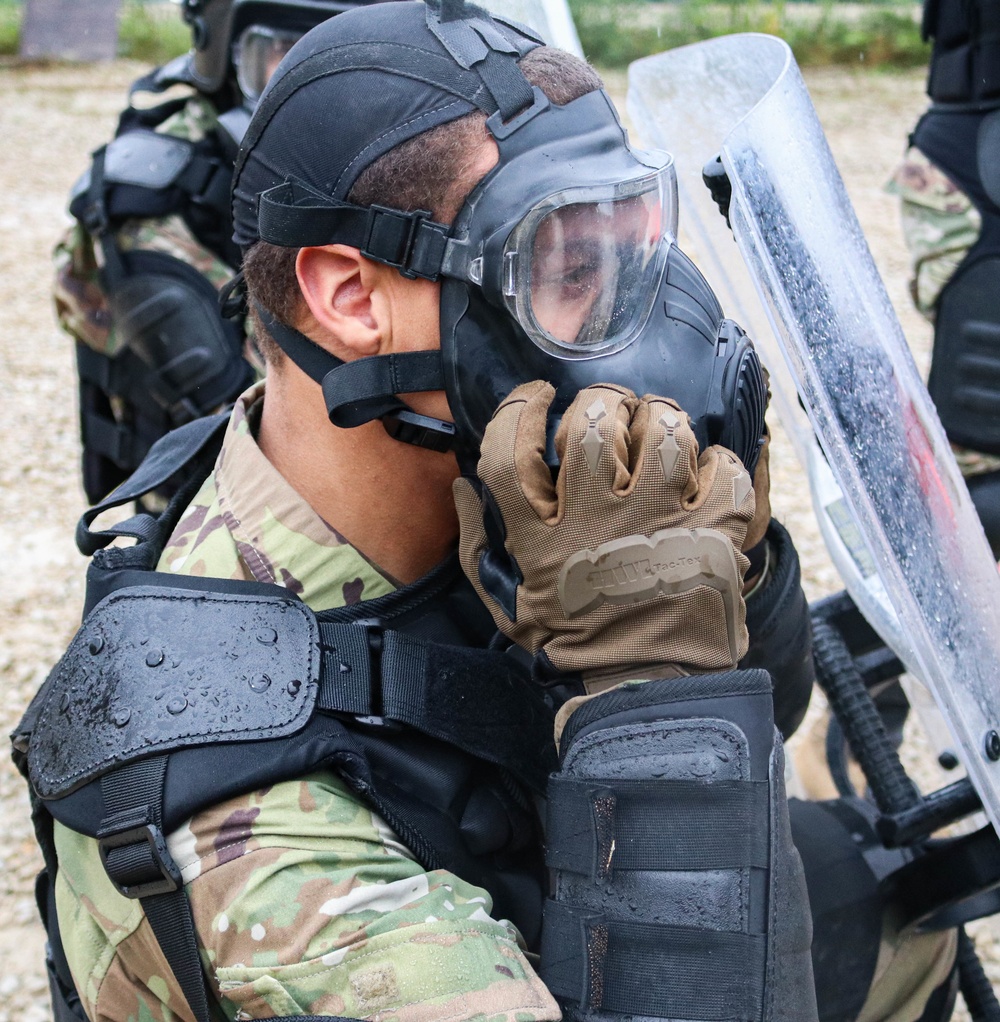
<point>582,268</point>
<point>256,56</point>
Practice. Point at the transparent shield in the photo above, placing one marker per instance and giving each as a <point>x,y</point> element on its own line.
<point>889,490</point>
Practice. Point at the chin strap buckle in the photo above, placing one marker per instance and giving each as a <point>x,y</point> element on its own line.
<point>420,430</point>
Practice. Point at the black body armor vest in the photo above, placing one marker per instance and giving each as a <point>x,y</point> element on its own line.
<point>965,370</point>
<point>179,692</point>
<point>180,359</point>
<point>965,61</point>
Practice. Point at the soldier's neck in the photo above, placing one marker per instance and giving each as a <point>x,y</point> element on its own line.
<point>391,501</point>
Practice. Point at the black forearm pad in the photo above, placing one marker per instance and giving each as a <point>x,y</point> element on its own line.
<point>780,633</point>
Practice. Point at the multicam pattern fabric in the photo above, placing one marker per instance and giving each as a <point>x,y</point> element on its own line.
<point>247,523</point>
<point>81,305</point>
<point>304,901</point>
<point>975,463</point>
<point>940,225</point>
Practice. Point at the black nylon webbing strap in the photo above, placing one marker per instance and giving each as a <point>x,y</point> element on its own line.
<point>471,698</point>
<point>134,853</point>
<point>313,360</point>
<point>671,972</point>
<point>108,438</point>
<point>360,391</point>
<point>476,43</point>
<point>596,827</point>
<point>346,671</point>
<point>166,457</point>
<point>292,214</point>
<point>364,389</point>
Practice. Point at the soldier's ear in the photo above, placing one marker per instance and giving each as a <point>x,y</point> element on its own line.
<point>340,288</point>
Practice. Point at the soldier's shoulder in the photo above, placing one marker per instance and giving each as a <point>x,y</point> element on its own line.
<point>197,119</point>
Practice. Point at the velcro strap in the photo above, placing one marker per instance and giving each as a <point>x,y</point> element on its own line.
<point>475,699</point>
<point>596,827</point>
<point>672,972</point>
<point>365,389</point>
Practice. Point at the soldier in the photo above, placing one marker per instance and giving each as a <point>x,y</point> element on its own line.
<point>289,766</point>
<point>950,192</point>
<point>137,275</point>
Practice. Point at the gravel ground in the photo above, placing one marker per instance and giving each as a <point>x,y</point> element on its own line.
<point>50,118</point>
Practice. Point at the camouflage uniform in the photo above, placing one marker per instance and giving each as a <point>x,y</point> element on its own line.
<point>304,901</point>
<point>940,225</point>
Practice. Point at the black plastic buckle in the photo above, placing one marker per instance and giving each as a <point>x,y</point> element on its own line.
<point>169,878</point>
<point>213,192</point>
<point>501,129</point>
<point>420,430</point>
<point>390,229</point>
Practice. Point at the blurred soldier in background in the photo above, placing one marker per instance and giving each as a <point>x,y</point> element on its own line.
<point>138,273</point>
<point>949,183</point>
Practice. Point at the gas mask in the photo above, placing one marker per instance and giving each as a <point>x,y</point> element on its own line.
<point>561,265</point>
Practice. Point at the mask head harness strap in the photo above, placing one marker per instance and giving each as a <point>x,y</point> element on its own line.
<point>482,73</point>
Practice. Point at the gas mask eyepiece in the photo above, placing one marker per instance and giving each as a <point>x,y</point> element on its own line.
<point>257,54</point>
<point>580,270</point>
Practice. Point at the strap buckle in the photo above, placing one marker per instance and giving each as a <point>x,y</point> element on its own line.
<point>390,237</point>
<point>420,430</point>
<point>146,869</point>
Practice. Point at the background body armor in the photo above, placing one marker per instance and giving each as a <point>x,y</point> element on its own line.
<point>179,358</point>
<point>377,692</point>
<point>965,61</point>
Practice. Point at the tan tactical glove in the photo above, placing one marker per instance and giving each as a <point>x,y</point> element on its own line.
<point>632,557</point>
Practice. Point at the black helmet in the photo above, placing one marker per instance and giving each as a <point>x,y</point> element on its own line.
<point>216,26</point>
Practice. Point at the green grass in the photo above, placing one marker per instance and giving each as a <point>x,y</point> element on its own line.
<point>615,32</point>
<point>10,28</point>
<point>151,33</point>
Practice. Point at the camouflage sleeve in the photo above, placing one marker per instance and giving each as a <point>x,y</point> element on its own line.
<point>305,903</point>
<point>81,306</point>
<point>940,225</point>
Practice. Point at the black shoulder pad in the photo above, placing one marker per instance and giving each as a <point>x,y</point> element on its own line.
<point>156,669</point>
<point>148,159</point>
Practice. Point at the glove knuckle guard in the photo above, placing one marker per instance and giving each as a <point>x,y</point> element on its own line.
<point>677,894</point>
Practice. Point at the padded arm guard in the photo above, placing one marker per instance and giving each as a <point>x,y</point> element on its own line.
<point>168,315</point>
<point>678,893</point>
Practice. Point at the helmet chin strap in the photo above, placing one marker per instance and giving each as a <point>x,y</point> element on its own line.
<point>365,389</point>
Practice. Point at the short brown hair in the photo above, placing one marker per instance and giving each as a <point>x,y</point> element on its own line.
<point>409,177</point>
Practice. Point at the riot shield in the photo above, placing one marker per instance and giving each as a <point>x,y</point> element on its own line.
<point>551,19</point>
<point>893,506</point>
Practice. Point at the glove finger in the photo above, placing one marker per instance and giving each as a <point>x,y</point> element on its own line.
<point>724,487</point>
<point>762,496</point>
<point>669,474</point>
<point>593,444</point>
<point>512,455</point>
